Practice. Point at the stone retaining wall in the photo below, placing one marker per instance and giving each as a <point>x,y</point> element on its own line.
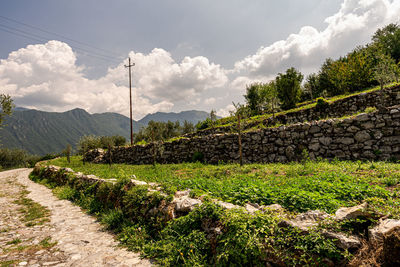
<point>373,136</point>
<point>342,107</point>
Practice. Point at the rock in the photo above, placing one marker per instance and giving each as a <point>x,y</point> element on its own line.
<point>227,205</point>
<point>137,182</point>
<point>353,129</point>
<point>314,129</point>
<point>391,247</point>
<point>250,208</point>
<point>352,212</point>
<point>179,194</point>
<point>23,263</point>
<point>343,241</point>
<point>326,141</point>
<point>306,220</point>
<point>377,233</point>
<point>186,204</point>
<point>345,140</point>
<point>362,136</point>
<point>314,146</point>
<point>272,207</point>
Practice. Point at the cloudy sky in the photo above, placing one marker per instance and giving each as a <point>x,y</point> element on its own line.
<point>59,55</point>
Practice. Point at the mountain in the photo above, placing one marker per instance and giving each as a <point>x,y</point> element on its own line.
<point>41,132</point>
<point>193,116</point>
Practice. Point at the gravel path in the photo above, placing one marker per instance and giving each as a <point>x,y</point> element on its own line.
<point>80,239</point>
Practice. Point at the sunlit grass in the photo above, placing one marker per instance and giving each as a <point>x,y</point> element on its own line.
<point>297,186</point>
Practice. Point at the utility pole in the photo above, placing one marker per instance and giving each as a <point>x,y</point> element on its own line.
<point>130,95</point>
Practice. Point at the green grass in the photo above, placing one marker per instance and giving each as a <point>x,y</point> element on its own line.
<point>296,186</point>
<point>32,212</point>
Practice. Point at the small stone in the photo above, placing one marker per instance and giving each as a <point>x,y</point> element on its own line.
<point>186,204</point>
<point>377,233</point>
<point>23,263</point>
<point>250,208</point>
<point>352,212</point>
<point>362,136</point>
<point>314,129</point>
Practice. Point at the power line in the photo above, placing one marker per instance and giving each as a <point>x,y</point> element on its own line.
<point>59,35</point>
<point>39,38</point>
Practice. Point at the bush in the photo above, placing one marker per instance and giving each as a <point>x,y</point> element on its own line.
<point>198,157</point>
<point>322,104</point>
<point>201,125</point>
<point>17,158</point>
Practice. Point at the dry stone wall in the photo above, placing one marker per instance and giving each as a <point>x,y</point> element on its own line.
<point>373,136</point>
<point>346,106</point>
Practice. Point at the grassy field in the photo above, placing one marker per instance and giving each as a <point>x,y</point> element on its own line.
<point>297,186</point>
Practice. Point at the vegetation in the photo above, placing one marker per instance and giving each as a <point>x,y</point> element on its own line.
<point>89,142</point>
<point>18,158</point>
<point>6,105</point>
<point>288,86</point>
<point>207,236</point>
<point>296,186</point>
<point>160,131</point>
<point>212,236</point>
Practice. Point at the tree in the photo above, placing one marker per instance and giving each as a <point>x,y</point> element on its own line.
<point>312,87</point>
<point>6,107</point>
<point>269,97</point>
<point>240,113</point>
<point>253,98</point>
<point>288,87</point>
<point>213,119</point>
<point>385,70</point>
<point>388,38</point>
<point>188,127</point>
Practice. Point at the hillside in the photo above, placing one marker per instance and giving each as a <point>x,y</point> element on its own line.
<point>41,132</point>
<point>193,116</point>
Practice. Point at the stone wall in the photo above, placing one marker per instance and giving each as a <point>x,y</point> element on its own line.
<point>342,107</point>
<point>373,136</point>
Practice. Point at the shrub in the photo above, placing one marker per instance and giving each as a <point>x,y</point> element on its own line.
<point>201,125</point>
<point>322,104</point>
<point>198,157</point>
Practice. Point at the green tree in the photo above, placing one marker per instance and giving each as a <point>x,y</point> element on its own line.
<point>187,127</point>
<point>312,87</point>
<point>289,88</point>
<point>388,38</point>
<point>385,70</point>
<point>213,119</point>
<point>269,97</point>
<point>6,107</point>
<point>253,98</point>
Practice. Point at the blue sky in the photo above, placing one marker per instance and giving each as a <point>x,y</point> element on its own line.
<point>188,54</point>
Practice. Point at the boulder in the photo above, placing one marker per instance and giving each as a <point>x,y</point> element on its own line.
<point>186,204</point>
<point>352,212</point>
<point>306,220</point>
<point>251,208</point>
<point>344,242</point>
<point>376,234</point>
<point>391,247</point>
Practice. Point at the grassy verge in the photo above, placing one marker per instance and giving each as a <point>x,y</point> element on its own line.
<point>207,236</point>
<point>297,186</point>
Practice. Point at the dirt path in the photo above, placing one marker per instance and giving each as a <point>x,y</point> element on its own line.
<point>76,238</point>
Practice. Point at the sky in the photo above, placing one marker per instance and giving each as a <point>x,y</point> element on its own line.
<point>60,55</point>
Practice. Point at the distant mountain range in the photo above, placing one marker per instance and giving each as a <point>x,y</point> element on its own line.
<point>40,132</point>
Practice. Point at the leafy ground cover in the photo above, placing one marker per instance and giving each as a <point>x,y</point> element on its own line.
<point>298,187</point>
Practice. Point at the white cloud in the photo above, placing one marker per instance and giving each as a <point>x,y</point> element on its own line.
<point>224,112</point>
<point>352,25</point>
<point>45,76</point>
